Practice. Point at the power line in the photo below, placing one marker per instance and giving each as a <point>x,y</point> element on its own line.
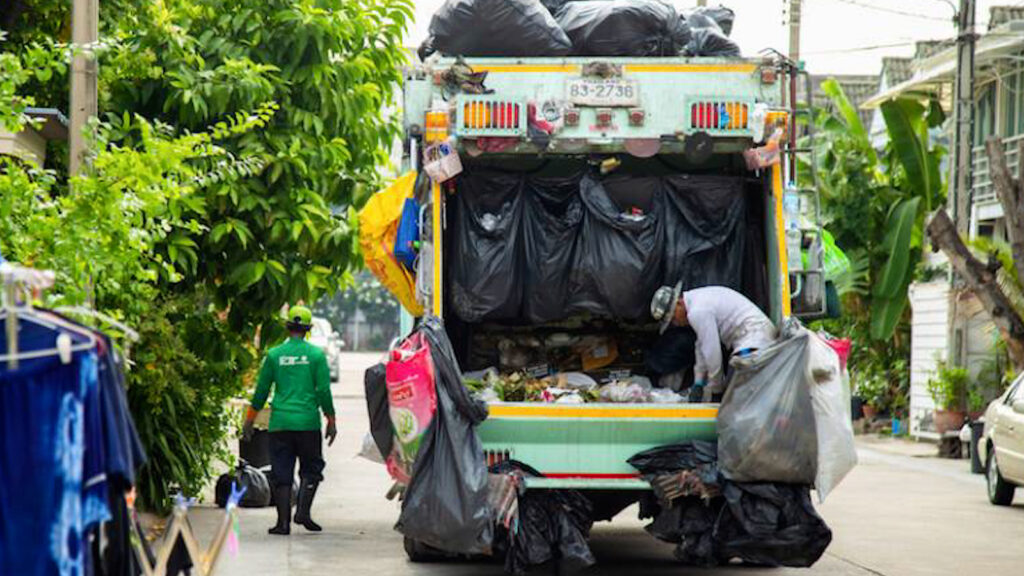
<point>894,11</point>
<point>861,48</point>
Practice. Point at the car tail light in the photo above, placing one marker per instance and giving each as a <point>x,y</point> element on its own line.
<point>479,115</point>
<point>719,115</point>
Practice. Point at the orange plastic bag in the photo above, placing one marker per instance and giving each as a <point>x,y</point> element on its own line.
<point>378,225</point>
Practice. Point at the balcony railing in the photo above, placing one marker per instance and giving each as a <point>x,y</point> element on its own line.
<point>983,191</point>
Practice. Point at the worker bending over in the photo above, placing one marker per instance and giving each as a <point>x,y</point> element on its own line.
<point>298,373</point>
<point>718,315</point>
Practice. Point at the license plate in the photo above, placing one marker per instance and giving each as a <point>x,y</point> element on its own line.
<point>602,92</point>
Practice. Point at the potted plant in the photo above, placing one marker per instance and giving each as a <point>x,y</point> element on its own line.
<point>948,389</point>
<point>872,390</point>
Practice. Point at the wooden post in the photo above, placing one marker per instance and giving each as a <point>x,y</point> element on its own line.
<point>84,72</point>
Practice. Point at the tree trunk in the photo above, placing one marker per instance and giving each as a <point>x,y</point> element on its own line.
<point>1008,189</point>
<point>981,279</point>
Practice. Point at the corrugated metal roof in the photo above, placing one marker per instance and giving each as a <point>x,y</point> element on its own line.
<point>896,70</point>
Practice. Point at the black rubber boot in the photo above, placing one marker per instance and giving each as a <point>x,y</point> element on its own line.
<point>307,492</point>
<point>283,503</point>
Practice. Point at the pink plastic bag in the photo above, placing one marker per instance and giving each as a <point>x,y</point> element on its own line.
<point>412,399</point>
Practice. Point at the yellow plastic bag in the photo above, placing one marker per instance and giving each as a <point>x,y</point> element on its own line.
<point>378,225</point>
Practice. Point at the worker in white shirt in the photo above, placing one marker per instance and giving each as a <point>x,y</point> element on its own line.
<point>719,316</point>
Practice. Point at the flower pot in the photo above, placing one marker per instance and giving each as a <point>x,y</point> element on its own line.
<point>949,420</point>
<point>870,412</point>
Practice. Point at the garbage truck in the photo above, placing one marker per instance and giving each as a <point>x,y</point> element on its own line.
<point>557,194</point>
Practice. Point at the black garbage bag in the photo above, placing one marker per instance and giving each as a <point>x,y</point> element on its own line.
<point>770,524</point>
<point>445,504</point>
<point>552,226</point>
<point>426,49</point>
<point>704,231</point>
<point>381,427</point>
<point>619,257</point>
<point>497,28</point>
<point>766,425</point>
<point>553,527</point>
<point>257,487</point>
<point>486,268</point>
<point>711,42</point>
<point>675,457</point>
<point>711,16</point>
<point>623,28</point>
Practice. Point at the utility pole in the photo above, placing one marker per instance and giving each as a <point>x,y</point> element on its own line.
<point>963,110</point>
<point>84,72</point>
<point>794,30</point>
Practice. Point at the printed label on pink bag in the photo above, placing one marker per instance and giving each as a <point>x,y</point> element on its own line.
<point>412,399</point>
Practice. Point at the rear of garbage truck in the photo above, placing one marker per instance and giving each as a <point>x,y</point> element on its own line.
<point>564,192</point>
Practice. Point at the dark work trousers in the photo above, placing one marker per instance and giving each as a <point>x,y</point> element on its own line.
<point>286,446</point>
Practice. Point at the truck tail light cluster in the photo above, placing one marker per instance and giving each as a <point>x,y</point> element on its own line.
<point>713,115</point>
<point>482,115</point>
<point>496,456</point>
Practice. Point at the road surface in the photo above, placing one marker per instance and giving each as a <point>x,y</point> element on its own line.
<point>898,513</point>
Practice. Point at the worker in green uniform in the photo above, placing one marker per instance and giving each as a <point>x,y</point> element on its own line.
<point>297,371</point>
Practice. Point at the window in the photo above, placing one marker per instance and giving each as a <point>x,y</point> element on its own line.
<point>986,229</point>
<point>984,123</point>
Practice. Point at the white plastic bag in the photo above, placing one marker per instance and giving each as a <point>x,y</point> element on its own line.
<point>625,392</point>
<point>665,396</point>
<point>369,450</point>
<point>830,397</point>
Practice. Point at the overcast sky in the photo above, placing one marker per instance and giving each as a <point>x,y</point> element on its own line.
<point>839,36</point>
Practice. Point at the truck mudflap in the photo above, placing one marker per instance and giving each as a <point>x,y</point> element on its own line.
<point>586,446</point>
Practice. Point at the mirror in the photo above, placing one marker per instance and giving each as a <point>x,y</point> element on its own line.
<point>1018,406</point>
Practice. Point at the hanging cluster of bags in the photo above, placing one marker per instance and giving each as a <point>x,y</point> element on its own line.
<point>541,249</point>
<point>553,28</point>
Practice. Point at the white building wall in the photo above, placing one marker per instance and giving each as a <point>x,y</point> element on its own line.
<point>929,336</point>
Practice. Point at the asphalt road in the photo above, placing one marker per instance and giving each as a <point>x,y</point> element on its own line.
<point>898,513</point>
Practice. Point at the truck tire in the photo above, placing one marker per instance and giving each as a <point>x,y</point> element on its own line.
<point>1000,492</point>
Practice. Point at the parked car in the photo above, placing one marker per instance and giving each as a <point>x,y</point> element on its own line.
<point>1002,445</point>
<point>324,337</point>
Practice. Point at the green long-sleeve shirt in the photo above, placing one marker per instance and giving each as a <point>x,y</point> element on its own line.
<point>298,373</point>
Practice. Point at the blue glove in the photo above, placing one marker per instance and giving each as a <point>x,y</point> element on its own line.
<point>697,391</point>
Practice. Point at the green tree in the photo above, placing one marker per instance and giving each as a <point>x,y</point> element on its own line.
<point>236,139</point>
<point>875,204</point>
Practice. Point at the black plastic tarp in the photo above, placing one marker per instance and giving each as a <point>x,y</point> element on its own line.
<point>619,251</point>
<point>712,42</point>
<point>551,236</point>
<point>623,28</point>
<point>496,28</point>
<point>527,248</point>
<point>445,504</point>
<point>489,232</point>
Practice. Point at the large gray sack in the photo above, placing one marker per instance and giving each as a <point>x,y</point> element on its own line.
<point>766,424</point>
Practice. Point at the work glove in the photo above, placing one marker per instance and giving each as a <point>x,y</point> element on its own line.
<point>332,430</point>
<point>697,391</point>
<point>247,427</point>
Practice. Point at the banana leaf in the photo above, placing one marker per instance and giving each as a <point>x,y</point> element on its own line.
<point>850,116</point>
<point>908,132</point>
<point>898,238</point>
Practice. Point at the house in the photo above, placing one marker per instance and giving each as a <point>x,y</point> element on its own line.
<point>30,143</point>
<point>858,88</point>
<point>949,323</point>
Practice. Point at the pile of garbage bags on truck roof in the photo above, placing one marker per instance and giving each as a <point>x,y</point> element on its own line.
<point>554,28</point>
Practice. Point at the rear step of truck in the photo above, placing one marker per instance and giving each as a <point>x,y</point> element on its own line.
<point>586,446</point>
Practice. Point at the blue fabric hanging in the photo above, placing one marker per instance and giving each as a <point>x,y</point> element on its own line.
<point>52,459</point>
<point>408,233</point>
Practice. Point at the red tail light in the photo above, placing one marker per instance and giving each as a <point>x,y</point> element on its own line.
<point>719,115</point>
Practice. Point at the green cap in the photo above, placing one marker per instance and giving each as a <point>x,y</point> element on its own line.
<point>300,315</point>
